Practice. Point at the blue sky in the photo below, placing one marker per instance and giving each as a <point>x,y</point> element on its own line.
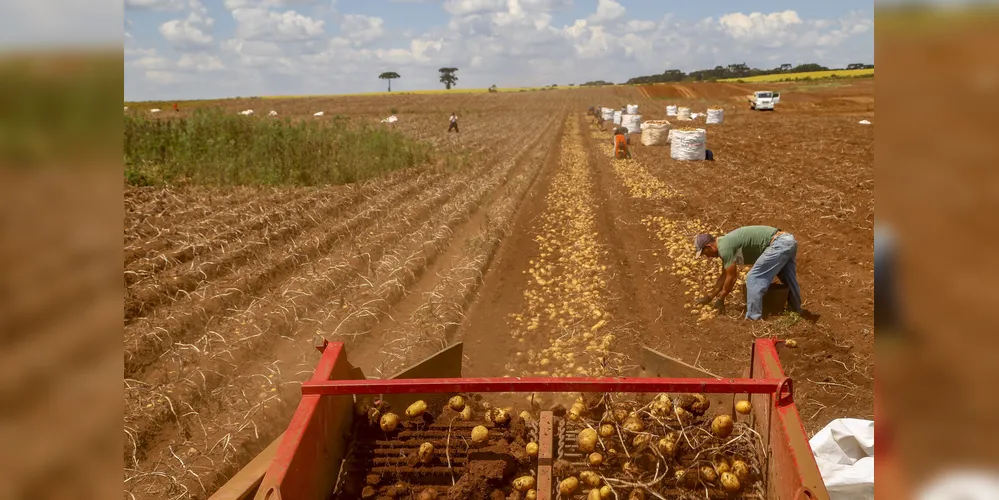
<point>183,49</point>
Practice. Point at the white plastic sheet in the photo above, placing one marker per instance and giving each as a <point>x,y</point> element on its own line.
<point>670,110</point>
<point>844,452</point>
<point>655,133</point>
<point>248,112</point>
<point>632,122</point>
<point>864,122</point>
<point>715,115</point>
<point>391,119</point>
<point>689,145</point>
<point>272,113</point>
<point>319,114</point>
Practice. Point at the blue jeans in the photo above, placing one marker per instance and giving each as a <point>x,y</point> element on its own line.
<point>777,260</point>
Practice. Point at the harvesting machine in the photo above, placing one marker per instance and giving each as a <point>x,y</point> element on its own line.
<point>322,456</point>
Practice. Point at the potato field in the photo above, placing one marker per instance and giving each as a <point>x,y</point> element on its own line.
<point>521,236</point>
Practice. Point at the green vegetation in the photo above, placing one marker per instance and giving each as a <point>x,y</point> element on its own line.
<point>734,72</point>
<point>212,147</point>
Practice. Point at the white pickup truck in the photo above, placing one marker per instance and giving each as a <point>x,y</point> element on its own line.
<point>763,100</point>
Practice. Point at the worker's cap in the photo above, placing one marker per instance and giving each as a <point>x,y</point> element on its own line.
<point>701,241</point>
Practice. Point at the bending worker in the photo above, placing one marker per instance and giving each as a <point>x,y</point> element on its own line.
<point>621,143</point>
<point>769,250</point>
<point>454,123</point>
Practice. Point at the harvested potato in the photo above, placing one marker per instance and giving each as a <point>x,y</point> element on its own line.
<point>721,464</point>
<point>708,474</point>
<point>531,495</point>
<point>641,440</point>
<point>594,494</point>
<point>595,459</point>
<point>722,426</point>
<point>740,470</point>
<point>606,492</point>
<point>587,439</point>
<point>667,447</point>
<point>426,453</point>
<point>634,424</point>
<point>416,409</point>
<point>729,482</point>
<point>427,494</point>
<point>466,413</point>
<point>568,485</point>
<point>589,478</point>
<point>636,494</point>
<point>480,434</point>
<point>532,449</point>
<point>499,416</point>
<point>606,430</point>
<point>526,415</point>
<point>524,483</point>
<point>744,407</point>
<point>620,414</point>
<point>701,404</point>
<point>389,422</point>
<point>457,403</point>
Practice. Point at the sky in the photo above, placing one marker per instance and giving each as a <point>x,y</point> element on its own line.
<point>199,49</point>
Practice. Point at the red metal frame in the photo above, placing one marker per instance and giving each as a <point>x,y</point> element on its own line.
<point>310,453</point>
<point>544,384</point>
<point>793,473</point>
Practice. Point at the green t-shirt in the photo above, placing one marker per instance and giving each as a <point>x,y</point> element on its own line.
<point>744,245</point>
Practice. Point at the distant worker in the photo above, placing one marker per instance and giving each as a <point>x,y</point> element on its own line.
<point>771,251</point>
<point>175,108</point>
<point>454,123</point>
<point>621,143</point>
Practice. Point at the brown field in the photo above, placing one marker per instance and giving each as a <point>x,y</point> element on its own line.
<point>227,287</point>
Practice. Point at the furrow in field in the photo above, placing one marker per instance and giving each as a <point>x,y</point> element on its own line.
<point>147,338</point>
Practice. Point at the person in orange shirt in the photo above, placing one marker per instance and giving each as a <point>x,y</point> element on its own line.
<point>621,148</point>
<point>621,145</point>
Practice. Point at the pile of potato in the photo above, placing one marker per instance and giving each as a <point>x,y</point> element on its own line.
<point>634,449</point>
<point>565,326</point>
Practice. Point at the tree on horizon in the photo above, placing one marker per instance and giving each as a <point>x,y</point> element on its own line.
<point>448,77</point>
<point>389,75</point>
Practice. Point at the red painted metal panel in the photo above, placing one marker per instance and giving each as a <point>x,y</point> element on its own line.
<point>569,384</point>
<point>793,473</point>
<point>309,455</point>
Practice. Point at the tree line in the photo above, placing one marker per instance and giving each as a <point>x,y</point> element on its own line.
<point>740,70</point>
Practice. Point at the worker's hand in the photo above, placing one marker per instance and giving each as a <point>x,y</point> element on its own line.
<point>720,306</point>
<point>703,301</point>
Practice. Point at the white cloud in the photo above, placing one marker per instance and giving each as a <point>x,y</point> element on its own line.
<point>266,4</point>
<point>201,62</point>
<point>466,7</point>
<point>362,29</point>
<point>184,34</point>
<point>757,25</point>
<point>636,25</point>
<point>607,10</point>
<point>263,24</point>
